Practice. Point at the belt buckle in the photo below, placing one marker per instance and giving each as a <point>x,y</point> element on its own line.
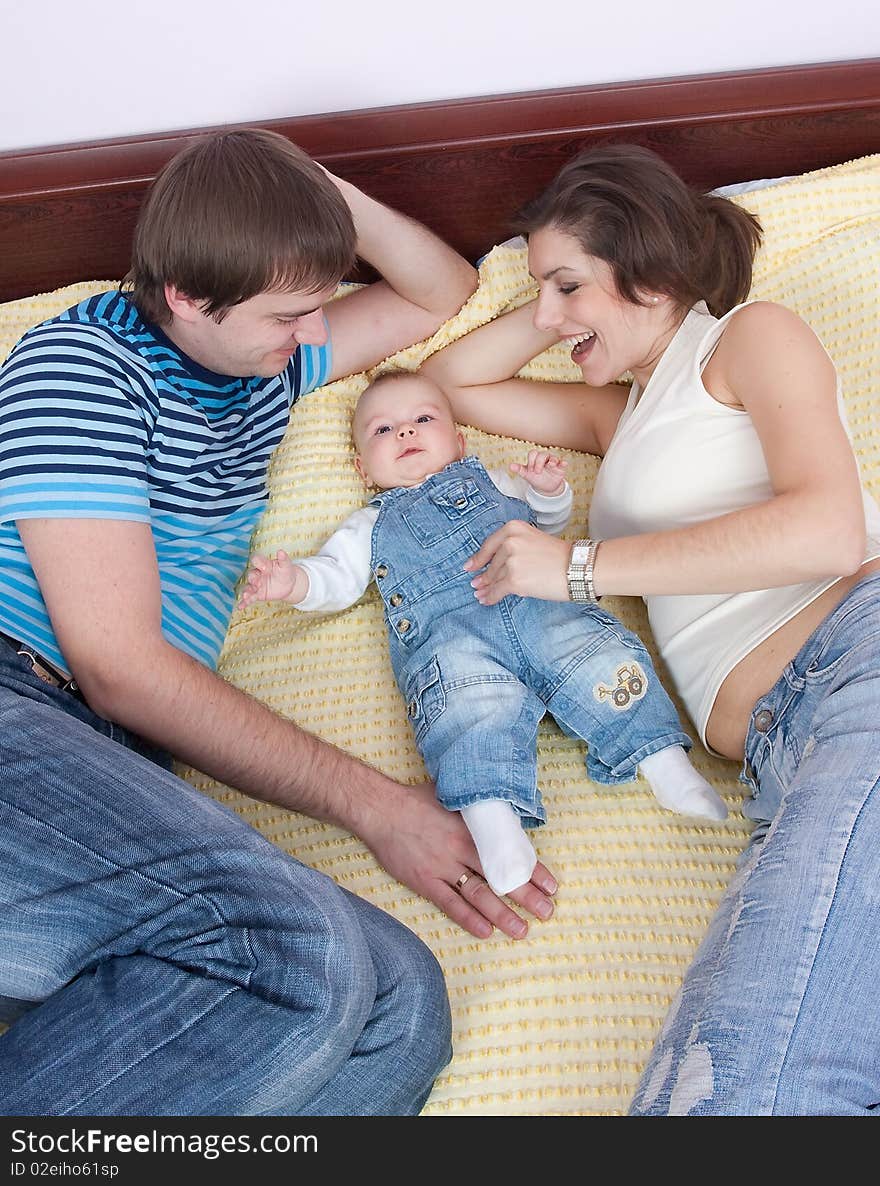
<point>42,672</point>
<point>37,667</point>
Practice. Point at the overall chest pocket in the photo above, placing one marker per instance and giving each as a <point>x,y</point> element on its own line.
<point>447,508</point>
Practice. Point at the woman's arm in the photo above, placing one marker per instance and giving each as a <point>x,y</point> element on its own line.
<point>769,363</point>
<point>476,372</point>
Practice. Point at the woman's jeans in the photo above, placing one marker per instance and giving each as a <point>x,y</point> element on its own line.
<point>778,1013</point>
<point>159,957</point>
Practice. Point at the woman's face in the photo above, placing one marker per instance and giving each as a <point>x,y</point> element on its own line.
<point>579,301</point>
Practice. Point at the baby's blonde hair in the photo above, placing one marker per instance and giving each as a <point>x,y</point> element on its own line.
<point>392,375</point>
<point>389,376</point>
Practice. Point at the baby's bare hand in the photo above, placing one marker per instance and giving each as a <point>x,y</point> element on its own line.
<point>543,471</point>
<point>268,579</point>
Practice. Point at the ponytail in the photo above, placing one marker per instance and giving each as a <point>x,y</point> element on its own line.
<point>732,236</point>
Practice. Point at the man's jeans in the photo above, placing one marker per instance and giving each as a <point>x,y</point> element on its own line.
<point>778,1013</point>
<point>159,957</point>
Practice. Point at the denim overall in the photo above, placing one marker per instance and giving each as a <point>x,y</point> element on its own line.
<point>478,679</point>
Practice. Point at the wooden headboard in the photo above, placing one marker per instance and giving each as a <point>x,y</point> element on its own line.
<point>462,167</point>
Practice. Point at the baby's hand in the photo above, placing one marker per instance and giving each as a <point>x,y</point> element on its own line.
<point>269,580</point>
<point>543,471</point>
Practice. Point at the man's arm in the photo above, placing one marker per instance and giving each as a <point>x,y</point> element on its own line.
<point>424,283</point>
<point>100,581</point>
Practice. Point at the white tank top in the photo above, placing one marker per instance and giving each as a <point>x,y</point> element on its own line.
<point>678,457</point>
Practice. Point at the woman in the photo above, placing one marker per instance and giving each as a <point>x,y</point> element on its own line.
<point>729,497</point>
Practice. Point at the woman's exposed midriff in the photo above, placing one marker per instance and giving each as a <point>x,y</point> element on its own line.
<point>756,674</point>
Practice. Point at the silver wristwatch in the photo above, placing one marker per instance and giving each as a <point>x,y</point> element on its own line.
<point>580,570</point>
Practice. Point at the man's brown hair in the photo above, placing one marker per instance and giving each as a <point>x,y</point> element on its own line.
<point>236,214</point>
<point>626,206</point>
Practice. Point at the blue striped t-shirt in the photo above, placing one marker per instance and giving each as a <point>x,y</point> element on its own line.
<point>102,417</point>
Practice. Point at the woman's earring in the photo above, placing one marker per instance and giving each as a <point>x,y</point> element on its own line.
<point>655,299</point>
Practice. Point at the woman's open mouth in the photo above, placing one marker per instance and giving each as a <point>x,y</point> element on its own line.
<point>581,345</point>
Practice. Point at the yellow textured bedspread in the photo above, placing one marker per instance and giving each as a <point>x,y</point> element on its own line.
<point>562,1022</point>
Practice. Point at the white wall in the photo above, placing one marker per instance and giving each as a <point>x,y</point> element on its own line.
<point>85,69</point>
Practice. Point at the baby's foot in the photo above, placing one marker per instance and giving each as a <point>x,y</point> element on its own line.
<point>678,787</point>
<point>505,852</point>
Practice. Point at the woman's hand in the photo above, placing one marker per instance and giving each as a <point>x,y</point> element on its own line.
<point>520,559</point>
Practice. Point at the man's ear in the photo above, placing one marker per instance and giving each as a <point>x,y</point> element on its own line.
<point>359,466</point>
<point>182,306</point>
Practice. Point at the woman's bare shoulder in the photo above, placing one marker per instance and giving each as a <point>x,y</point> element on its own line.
<point>765,347</point>
<point>760,321</point>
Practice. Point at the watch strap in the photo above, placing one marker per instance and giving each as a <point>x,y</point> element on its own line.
<point>579,575</point>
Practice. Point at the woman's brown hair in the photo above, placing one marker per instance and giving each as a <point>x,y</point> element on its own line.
<point>626,206</point>
<point>235,214</point>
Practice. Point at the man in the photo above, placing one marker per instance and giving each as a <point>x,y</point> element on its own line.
<point>156,954</point>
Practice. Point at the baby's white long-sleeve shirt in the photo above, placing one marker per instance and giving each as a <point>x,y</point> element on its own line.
<point>340,571</point>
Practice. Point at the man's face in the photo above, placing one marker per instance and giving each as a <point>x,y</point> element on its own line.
<point>255,338</point>
<point>404,431</point>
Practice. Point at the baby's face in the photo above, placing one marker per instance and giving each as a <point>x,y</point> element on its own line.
<point>404,431</point>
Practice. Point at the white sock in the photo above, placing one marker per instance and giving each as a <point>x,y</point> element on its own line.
<point>679,787</point>
<point>505,851</point>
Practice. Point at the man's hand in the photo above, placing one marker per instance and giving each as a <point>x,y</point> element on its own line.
<point>110,630</point>
<point>544,472</point>
<point>429,849</point>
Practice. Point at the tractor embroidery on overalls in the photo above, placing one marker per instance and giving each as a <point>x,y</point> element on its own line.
<point>632,683</point>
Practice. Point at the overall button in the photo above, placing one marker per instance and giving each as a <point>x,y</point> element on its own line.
<point>403,625</point>
<point>461,502</point>
<point>413,708</point>
<point>396,599</point>
<point>763,720</point>
<point>381,571</point>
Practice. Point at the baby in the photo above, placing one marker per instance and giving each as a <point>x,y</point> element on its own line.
<point>477,679</point>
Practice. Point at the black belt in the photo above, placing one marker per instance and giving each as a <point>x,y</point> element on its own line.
<point>42,667</point>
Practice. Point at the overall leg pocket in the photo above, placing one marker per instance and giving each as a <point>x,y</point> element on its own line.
<point>425,698</point>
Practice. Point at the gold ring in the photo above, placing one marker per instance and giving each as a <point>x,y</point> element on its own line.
<point>462,881</point>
